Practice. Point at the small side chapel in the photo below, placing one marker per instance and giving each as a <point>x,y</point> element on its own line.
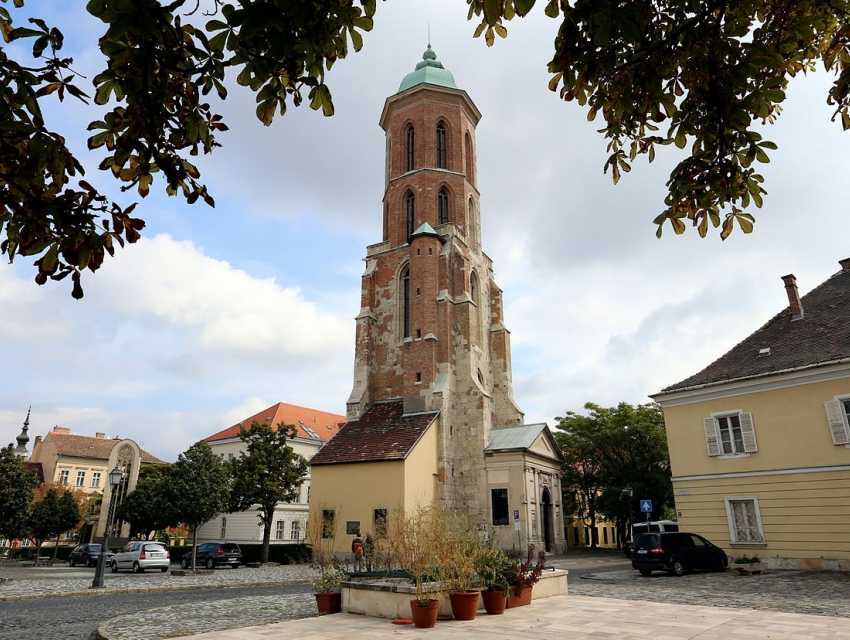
<point>431,416</point>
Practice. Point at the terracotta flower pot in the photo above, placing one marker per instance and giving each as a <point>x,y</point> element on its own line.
<point>328,602</point>
<point>495,601</point>
<point>519,596</point>
<point>464,604</point>
<point>424,614</point>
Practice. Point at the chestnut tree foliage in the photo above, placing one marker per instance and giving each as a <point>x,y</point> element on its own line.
<point>697,74</point>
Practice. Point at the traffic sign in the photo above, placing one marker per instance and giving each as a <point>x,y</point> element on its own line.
<point>646,506</point>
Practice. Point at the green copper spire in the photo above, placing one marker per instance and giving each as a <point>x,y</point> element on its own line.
<point>429,70</point>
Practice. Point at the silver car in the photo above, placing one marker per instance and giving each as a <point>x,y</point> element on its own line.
<point>139,556</point>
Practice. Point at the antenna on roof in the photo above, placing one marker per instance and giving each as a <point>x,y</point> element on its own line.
<point>429,35</point>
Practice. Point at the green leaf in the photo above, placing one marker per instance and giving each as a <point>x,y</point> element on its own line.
<point>356,39</point>
<point>552,9</point>
<point>492,11</point>
<point>265,111</point>
<point>522,7</point>
<point>500,30</point>
<point>761,156</point>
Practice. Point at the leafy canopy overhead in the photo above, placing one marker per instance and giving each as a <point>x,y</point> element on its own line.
<point>691,73</point>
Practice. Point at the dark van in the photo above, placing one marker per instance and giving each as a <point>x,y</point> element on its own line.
<point>676,553</point>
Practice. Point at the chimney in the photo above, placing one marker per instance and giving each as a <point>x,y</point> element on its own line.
<point>36,443</point>
<point>794,302</point>
<point>845,264</point>
<point>58,429</point>
<point>100,434</point>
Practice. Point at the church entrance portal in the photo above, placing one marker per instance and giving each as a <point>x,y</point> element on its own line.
<point>546,504</point>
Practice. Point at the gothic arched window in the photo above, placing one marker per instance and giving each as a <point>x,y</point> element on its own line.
<point>470,173</point>
<point>473,287</point>
<point>409,148</point>
<point>404,281</point>
<point>471,221</point>
<point>443,206</point>
<point>442,147</point>
<point>409,213</point>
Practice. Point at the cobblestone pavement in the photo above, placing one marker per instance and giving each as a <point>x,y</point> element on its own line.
<point>189,619</point>
<point>821,593</point>
<point>77,583</point>
<point>77,617</point>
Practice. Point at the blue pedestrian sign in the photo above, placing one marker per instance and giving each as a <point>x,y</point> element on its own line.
<point>646,506</point>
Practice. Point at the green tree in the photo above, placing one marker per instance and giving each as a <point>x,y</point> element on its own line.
<point>17,484</point>
<point>150,506</point>
<point>200,484</point>
<point>582,439</point>
<point>614,456</point>
<point>267,472</point>
<point>699,75</point>
<point>51,514</point>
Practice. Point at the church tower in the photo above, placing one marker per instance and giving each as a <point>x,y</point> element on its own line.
<point>430,327</point>
<point>23,438</point>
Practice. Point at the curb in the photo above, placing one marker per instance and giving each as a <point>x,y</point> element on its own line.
<point>107,591</point>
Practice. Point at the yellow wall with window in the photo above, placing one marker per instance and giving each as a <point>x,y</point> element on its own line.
<point>786,498</point>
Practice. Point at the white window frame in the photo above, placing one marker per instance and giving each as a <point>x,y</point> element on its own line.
<point>842,399</point>
<point>64,476</point>
<point>730,520</point>
<point>280,531</point>
<point>80,480</point>
<point>295,530</point>
<point>727,414</point>
<point>95,479</point>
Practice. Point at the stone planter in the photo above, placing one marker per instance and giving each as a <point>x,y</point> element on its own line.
<point>751,568</point>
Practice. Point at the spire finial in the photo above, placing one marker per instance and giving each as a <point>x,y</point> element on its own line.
<point>23,438</point>
<point>429,35</point>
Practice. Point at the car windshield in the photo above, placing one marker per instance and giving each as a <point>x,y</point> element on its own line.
<point>671,527</point>
<point>154,547</point>
<point>231,548</point>
<point>648,541</point>
<point>94,547</point>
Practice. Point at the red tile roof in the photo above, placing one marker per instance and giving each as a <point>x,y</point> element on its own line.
<point>322,424</point>
<point>382,433</point>
<point>87,447</point>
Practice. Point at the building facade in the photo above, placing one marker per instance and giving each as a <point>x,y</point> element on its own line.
<point>432,356</point>
<point>313,429</point>
<point>760,439</point>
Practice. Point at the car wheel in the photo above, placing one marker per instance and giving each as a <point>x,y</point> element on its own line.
<point>114,567</point>
<point>210,563</point>
<point>677,568</point>
<point>163,569</point>
<point>137,568</point>
<point>646,572</point>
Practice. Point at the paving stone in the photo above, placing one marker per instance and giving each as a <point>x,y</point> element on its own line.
<point>40,587</point>
<point>821,593</point>
<point>221,615</point>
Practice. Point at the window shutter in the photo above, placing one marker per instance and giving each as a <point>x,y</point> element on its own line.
<point>837,422</point>
<point>712,441</point>
<point>748,432</point>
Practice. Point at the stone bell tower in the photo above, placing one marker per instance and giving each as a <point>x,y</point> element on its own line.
<point>430,323</point>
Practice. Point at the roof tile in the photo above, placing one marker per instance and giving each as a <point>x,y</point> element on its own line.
<point>311,424</point>
<point>77,446</point>
<point>382,433</point>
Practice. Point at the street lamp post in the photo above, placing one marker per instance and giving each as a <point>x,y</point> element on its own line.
<point>115,478</point>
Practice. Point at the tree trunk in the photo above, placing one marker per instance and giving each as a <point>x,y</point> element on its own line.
<point>56,547</point>
<point>194,547</point>
<point>267,534</point>
<point>37,551</point>
<point>593,532</point>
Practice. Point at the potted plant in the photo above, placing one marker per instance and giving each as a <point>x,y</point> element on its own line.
<point>523,577</point>
<point>462,549</point>
<point>418,540</point>
<point>748,566</point>
<point>493,567</point>
<point>327,586</point>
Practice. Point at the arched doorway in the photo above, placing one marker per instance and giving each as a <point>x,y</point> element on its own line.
<point>546,507</point>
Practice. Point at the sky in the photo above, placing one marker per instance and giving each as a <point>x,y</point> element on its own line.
<point>218,313</point>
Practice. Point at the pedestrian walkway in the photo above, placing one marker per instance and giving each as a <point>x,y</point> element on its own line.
<point>573,617</point>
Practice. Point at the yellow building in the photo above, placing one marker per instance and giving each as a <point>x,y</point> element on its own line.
<point>760,439</point>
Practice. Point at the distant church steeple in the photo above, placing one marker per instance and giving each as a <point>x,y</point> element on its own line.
<point>23,437</point>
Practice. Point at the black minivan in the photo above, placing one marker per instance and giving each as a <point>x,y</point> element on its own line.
<point>676,553</point>
<point>214,554</point>
<point>85,554</point>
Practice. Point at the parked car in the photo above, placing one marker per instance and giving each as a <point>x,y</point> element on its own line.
<point>677,553</point>
<point>140,556</point>
<point>85,554</point>
<point>214,554</point>
<point>654,526</point>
